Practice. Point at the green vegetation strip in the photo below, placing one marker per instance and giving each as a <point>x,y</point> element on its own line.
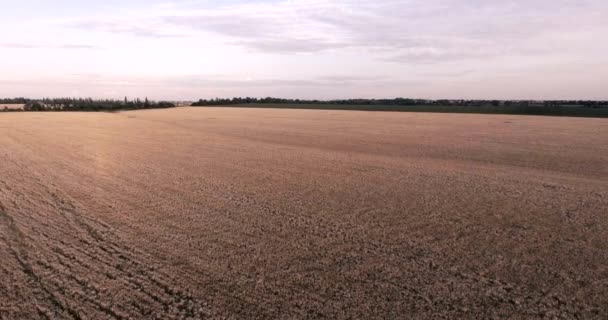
<point>557,110</point>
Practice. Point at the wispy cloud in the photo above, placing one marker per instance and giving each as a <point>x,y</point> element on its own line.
<point>127,26</point>
<point>412,31</point>
<point>353,78</point>
<point>213,81</point>
<point>28,45</point>
<point>240,82</point>
<point>196,86</point>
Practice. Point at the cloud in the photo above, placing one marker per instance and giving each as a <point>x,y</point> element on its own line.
<point>232,81</point>
<point>415,30</point>
<point>291,45</point>
<point>197,86</point>
<point>448,74</point>
<point>342,78</point>
<point>67,46</point>
<point>138,28</point>
<point>214,81</point>
<point>211,83</point>
<point>432,55</point>
<point>409,32</point>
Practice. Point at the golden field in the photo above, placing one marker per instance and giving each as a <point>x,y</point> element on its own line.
<point>251,213</point>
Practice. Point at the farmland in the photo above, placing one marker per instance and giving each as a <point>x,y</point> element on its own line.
<point>275,213</point>
<point>11,106</point>
<point>582,108</point>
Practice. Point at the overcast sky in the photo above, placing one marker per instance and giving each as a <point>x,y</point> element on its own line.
<point>528,49</point>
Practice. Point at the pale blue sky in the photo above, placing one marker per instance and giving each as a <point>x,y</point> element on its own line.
<point>533,49</point>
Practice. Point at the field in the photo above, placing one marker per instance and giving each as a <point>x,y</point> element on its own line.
<point>11,106</point>
<point>534,109</point>
<point>271,213</point>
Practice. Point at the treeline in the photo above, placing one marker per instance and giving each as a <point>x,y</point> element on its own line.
<point>13,100</point>
<point>404,102</point>
<point>85,104</point>
<point>578,108</point>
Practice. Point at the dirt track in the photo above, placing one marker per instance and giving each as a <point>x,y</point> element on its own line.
<point>246,213</point>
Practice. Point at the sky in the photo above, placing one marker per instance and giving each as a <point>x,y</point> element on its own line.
<point>308,49</point>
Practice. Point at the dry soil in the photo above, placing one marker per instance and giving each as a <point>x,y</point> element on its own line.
<point>249,213</point>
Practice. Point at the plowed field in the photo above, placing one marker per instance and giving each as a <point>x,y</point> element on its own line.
<point>250,213</point>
